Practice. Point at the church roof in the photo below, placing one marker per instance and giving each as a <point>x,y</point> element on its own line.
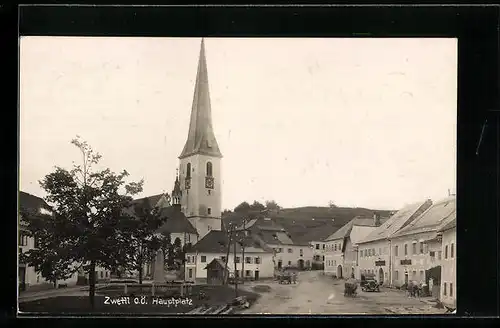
<point>201,137</point>
<point>176,221</point>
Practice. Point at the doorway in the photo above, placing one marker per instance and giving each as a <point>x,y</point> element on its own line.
<point>380,275</point>
<point>256,274</point>
<point>339,271</point>
<point>301,264</point>
<point>280,264</point>
<point>406,278</point>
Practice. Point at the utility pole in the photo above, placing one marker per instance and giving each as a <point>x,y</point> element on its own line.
<point>230,235</point>
<point>243,253</point>
<point>235,270</point>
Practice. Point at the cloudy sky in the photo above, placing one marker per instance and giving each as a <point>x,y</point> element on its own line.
<point>360,122</point>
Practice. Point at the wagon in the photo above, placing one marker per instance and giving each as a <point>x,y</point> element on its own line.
<point>350,288</point>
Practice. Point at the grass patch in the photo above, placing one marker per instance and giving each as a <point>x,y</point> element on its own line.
<point>216,295</point>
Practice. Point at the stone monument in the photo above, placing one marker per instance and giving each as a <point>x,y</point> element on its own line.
<point>159,273</point>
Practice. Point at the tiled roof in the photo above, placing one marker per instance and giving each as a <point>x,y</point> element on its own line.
<point>217,242</point>
<point>397,221</point>
<point>264,224</point>
<point>176,221</point>
<point>345,230</point>
<point>273,237</point>
<point>153,200</point>
<point>436,216</point>
<point>31,203</point>
<point>451,224</point>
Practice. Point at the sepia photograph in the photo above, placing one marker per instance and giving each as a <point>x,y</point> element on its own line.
<point>233,176</point>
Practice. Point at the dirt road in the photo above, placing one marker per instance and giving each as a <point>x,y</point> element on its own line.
<point>317,294</point>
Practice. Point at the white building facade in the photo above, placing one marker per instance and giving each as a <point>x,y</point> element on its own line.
<point>448,294</point>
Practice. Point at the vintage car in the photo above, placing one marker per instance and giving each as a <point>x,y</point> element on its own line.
<point>369,283</point>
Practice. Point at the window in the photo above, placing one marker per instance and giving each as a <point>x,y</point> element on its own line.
<point>366,253</point>
<point>396,251</point>
<point>379,251</point>
<point>444,289</point>
<point>335,247</point>
<point>317,246</point>
<point>209,192</point>
<point>190,273</point>
<point>209,169</point>
<point>323,257</point>
<point>209,211</point>
<point>237,273</point>
<point>188,170</point>
<point>223,259</point>
<point>323,246</point>
<point>361,253</point>
<point>289,262</point>
<point>446,252</point>
<point>406,249</point>
<point>439,255</point>
<point>203,259</point>
<point>421,248</point>
<point>290,250</point>
<point>452,251</point>
<point>451,289</point>
<point>248,260</point>
<point>414,248</point>
<point>257,260</point>
<point>248,273</point>
<point>102,274</point>
<point>301,252</point>
<point>237,260</point>
<point>23,239</point>
<point>432,254</point>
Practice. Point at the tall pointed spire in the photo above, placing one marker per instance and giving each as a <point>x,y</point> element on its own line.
<point>201,137</point>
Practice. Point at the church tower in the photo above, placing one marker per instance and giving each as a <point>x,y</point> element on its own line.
<point>200,172</point>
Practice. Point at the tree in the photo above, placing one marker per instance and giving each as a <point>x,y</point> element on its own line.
<point>272,205</point>
<point>47,258</point>
<point>178,252</point>
<point>256,206</point>
<point>242,208</point>
<point>332,205</point>
<point>144,241</point>
<point>88,227</point>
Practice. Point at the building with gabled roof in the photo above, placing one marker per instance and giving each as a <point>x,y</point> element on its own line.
<point>341,246</point>
<point>448,286</point>
<point>374,250</point>
<point>253,260</point>
<point>414,247</point>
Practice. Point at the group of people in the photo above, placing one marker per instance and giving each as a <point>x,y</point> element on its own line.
<point>415,289</point>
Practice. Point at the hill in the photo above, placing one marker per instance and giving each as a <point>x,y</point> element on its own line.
<point>311,223</point>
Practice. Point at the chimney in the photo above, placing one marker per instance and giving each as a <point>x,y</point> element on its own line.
<point>376,219</point>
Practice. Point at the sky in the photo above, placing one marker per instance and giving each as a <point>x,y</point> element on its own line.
<point>360,122</point>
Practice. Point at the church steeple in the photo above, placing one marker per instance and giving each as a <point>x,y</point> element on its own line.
<point>176,192</point>
<point>201,137</point>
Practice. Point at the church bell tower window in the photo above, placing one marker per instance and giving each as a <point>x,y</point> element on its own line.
<point>188,176</point>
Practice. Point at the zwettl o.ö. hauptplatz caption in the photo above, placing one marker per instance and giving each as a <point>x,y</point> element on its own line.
<point>147,300</point>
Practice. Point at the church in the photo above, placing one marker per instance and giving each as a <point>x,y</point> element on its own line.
<point>194,207</point>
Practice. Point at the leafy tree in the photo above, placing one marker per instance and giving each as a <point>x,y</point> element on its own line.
<point>144,241</point>
<point>178,251</point>
<point>88,226</point>
<point>242,208</point>
<point>332,205</point>
<point>272,205</point>
<point>256,206</point>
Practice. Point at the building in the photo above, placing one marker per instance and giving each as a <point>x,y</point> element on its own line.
<point>315,237</point>
<point>200,160</point>
<point>252,261</point>
<point>216,272</point>
<point>448,294</point>
<point>28,277</point>
<point>374,251</point>
<point>287,252</point>
<point>411,255</point>
<point>341,247</point>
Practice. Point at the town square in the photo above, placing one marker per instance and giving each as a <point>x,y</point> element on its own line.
<point>220,176</point>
